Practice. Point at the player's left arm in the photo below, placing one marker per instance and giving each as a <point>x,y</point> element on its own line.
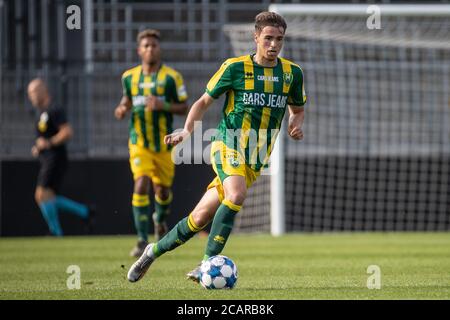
<point>296,102</point>
<point>296,119</point>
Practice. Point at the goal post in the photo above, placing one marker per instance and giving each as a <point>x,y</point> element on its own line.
<point>376,150</point>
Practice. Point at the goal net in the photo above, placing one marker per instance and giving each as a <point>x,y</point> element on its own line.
<point>376,148</point>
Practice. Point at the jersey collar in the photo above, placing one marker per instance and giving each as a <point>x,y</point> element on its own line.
<point>258,65</point>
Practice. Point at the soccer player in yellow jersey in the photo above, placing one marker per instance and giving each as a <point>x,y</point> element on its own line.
<point>259,89</point>
<point>153,92</point>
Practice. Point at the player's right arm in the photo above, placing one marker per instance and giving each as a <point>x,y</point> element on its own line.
<point>123,107</point>
<point>125,103</point>
<point>220,83</point>
<point>196,113</point>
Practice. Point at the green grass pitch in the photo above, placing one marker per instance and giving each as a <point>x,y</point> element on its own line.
<point>295,266</point>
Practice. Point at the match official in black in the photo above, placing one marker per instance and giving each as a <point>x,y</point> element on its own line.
<point>53,131</point>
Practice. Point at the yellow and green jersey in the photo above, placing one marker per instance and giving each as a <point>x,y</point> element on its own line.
<point>256,100</point>
<point>148,128</point>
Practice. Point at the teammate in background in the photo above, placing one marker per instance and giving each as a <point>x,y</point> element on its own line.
<point>259,88</point>
<point>153,92</point>
<point>53,131</point>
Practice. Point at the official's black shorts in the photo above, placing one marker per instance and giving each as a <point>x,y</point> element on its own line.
<point>52,170</point>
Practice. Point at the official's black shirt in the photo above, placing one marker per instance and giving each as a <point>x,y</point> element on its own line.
<point>53,161</point>
<point>47,125</point>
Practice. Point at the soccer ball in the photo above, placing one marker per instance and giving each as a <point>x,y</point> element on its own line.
<point>218,272</point>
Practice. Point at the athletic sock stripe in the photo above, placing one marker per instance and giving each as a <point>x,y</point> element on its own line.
<point>140,204</point>
<point>164,202</point>
<point>138,196</point>
<point>231,205</point>
<point>192,225</point>
<point>140,200</point>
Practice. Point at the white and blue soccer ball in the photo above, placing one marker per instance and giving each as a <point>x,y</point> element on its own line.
<point>218,272</point>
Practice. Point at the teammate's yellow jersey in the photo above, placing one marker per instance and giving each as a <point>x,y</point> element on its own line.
<point>148,128</point>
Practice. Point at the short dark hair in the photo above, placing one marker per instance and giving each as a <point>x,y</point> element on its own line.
<point>146,34</point>
<point>272,19</point>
